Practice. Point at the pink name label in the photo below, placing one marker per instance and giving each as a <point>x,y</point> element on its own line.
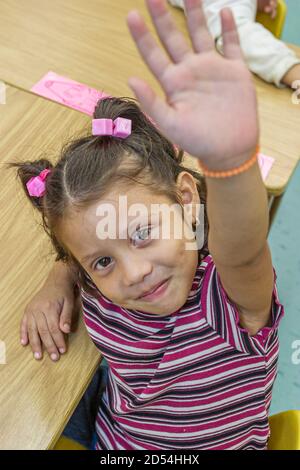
<point>68,92</point>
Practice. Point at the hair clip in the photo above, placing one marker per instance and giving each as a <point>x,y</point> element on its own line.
<point>120,127</point>
<point>36,185</point>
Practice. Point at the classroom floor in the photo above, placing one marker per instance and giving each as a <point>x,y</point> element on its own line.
<point>284,241</point>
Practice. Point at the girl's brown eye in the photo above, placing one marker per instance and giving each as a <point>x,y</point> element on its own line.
<point>104,262</point>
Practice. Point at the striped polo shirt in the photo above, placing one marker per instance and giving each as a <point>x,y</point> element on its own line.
<point>194,379</point>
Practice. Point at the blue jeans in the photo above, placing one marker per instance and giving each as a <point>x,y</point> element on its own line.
<point>81,426</point>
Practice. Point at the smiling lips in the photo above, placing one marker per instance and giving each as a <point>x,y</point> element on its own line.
<point>156,291</point>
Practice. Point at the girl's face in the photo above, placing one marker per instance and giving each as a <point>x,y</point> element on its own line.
<point>143,264</point>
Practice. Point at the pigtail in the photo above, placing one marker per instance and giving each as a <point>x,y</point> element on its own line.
<point>27,170</point>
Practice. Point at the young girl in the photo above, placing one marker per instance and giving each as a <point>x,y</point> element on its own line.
<point>265,55</point>
<point>191,338</point>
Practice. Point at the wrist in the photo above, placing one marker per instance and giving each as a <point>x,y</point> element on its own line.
<point>230,167</point>
<point>63,273</point>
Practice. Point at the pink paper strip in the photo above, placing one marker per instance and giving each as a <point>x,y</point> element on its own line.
<point>68,92</point>
<point>265,163</point>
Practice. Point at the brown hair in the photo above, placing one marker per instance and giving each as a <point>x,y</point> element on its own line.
<point>89,166</point>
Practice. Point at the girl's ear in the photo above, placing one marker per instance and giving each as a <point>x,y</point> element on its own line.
<point>186,184</point>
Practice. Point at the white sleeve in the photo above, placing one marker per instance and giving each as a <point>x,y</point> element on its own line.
<point>265,55</point>
<point>245,9</point>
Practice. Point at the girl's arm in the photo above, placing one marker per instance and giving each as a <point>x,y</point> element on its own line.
<point>238,244</point>
<point>210,111</point>
<point>63,273</point>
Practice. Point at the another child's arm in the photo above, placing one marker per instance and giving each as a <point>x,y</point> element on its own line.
<point>266,56</point>
<point>292,76</point>
<point>51,313</point>
<point>210,111</point>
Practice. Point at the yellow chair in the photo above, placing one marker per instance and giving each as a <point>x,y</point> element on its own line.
<point>285,431</point>
<point>64,443</point>
<point>276,25</point>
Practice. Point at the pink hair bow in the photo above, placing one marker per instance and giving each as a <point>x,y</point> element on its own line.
<point>36,185</point>
<point>120,127</point>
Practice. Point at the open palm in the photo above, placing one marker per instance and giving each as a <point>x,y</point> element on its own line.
<point>210,108</point>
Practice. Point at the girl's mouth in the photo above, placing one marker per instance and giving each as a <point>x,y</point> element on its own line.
<point>156,292</point>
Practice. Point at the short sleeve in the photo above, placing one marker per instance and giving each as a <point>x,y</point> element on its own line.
<point>223,316</point>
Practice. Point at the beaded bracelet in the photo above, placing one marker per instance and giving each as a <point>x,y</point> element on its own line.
<point>235,171</point>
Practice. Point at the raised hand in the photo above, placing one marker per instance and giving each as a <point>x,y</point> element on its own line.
<point>210,106</point>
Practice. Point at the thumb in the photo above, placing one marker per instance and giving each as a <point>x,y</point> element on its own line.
<point>66,317</point>
<point>151,104</point>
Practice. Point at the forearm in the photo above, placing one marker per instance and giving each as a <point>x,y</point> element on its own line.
<point>292,75</point>
<point>63,273</point>
<point>237,209</point>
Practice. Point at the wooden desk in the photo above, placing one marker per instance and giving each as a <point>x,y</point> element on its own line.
<point>280,137</point>
<point>86,40</point>
<point>90,42</point>
<point>37,398</point>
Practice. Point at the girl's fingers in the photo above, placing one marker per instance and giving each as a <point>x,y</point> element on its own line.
<point>201,38</point>
<point>46,337</point>
<point>151,104</point>
<point>65,320</point>
<point>231,43</point>
<point>172,39</point>
<point>34,338</point>
<point>152,54</point>
<point>23,331</point>
<point>157,61</point>
<point>57,336</point>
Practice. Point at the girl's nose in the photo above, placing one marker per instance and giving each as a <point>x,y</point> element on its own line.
<point>134,270</point>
